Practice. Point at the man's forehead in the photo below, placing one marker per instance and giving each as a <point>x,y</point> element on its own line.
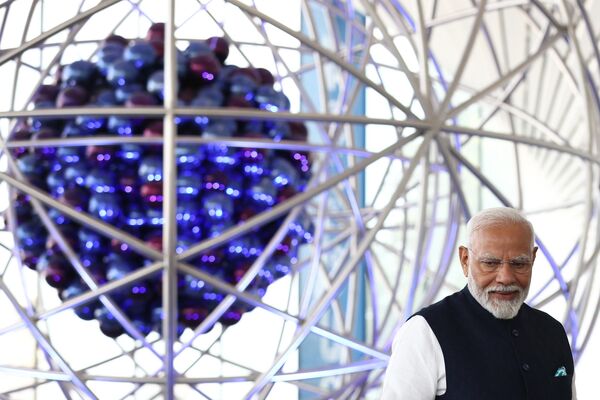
<point>513,236</point>
<point>502,230</point>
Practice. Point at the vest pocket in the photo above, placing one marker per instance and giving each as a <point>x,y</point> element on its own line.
<point>560,388</point>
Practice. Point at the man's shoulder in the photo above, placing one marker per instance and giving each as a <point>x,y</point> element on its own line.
<point>442,306</point>
<point>541,317</point>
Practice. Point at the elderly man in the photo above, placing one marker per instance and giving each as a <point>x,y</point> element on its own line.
<point>483,342</point>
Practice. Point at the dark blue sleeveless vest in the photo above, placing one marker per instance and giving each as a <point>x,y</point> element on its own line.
<point>488,358</point>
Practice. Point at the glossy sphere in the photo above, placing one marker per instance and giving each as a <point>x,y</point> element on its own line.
<point>142,54</point>
<point>197,48</point>
<point>156,33</point>
<point>156,84</point>
<point>108,55</point>
<point>31,235</point>
<point>56,270</point>
<point>108,323</point>
<point>45,93</point>
<point>204,68</point>
<point>79,73</point>
<point>71,96</point>
<point>122,73</point>
<point>218,184</point>
<point>219,46</point>
<point>46,133</point>
<point>85,311</point>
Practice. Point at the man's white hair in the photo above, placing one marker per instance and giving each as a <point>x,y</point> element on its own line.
<point>497,216</point>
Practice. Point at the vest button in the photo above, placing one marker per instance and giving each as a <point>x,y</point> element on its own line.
<point>525,367</point>
<point>515,332</point>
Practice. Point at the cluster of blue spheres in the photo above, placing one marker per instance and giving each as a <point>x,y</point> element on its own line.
<point>218,186</point>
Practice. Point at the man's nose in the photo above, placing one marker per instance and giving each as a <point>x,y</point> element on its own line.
<point>505,274</point>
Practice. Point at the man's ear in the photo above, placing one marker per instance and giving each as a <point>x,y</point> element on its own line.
<point>535,249</point>
<point>463,255</point>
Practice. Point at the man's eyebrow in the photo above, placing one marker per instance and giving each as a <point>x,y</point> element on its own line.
<point>491,256</point>
<point>522,257</point>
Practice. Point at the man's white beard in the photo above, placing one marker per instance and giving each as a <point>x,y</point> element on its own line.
<point>501,309</point>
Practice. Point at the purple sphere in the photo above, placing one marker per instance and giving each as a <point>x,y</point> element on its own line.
<point>72,96</point>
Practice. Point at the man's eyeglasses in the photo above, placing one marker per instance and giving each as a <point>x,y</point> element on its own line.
<point>519,265</point>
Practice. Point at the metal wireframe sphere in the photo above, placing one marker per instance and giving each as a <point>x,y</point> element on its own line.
<point>418,114</point>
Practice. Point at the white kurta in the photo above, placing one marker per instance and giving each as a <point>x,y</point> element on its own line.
<point>416,370</point>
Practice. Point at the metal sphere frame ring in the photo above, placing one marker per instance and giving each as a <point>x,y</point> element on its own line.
<point>419,114</point>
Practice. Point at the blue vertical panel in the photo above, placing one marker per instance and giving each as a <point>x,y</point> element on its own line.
<point>316,352</point>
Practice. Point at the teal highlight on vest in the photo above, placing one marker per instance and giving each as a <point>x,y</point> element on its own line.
<point>562,371</point>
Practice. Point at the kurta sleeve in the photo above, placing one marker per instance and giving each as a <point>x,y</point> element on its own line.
<point>416,368</point>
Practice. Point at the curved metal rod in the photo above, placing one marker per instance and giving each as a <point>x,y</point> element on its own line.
<point>524,140</point>
<point>442,110</point>
<point>6,56</point>
<point>589,188</point>
<point>424,51</point>
<point>559,27</point>
<point>388,42</point>
<point>509,75</point>
<point>470,12</point>
<point>46,345</point>
<point>19,60</point>
<point>232,112</point>
<point>421,232</point>
<point>325,52</point>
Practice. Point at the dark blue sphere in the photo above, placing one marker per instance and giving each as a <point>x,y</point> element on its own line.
<point>156,84</point>
<point>79,73</point>
<point>141,54</point>
<point>243,85</point>
<point>124,93</point>
<point>217,207</point>
<point>108,55</point>
<point>31,235</point>
<point>283,173</point>
<point>108,323</point>
<point>189,184</point>
<point>31,167</point>
<point>263,193</point>
<point>105,206</point>
<point>118,267</point>
<point>85,311</point>
<point>197,48</point>
<point>56,182</point>
<point>101,181</point>
<point>188,213</point>
<point>122,73</point>
<point>151,169</point>
<point>91,242</point>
